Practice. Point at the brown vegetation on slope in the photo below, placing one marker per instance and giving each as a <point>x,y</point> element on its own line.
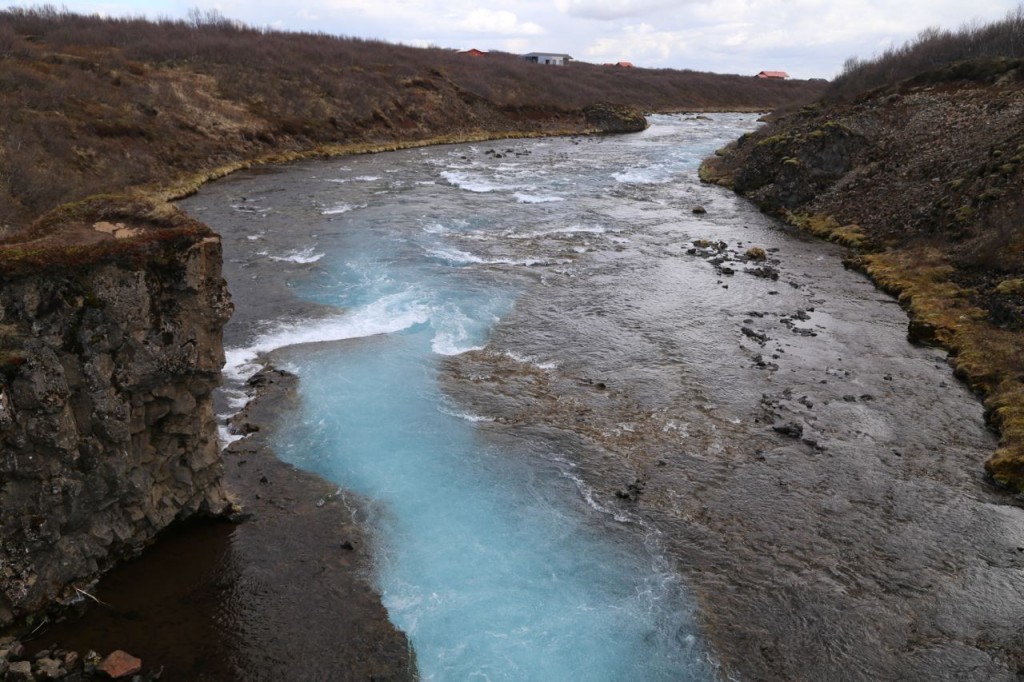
<point>925,178</point>
<point>96,105</point>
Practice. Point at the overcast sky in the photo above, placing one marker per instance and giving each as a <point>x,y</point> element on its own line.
<point>807,38</point>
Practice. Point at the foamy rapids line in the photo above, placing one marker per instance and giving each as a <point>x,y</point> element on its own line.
<point>387,315</point>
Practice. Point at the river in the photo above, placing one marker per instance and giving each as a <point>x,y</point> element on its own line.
<point>613,424</point>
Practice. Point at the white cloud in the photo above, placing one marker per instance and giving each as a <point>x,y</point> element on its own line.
<point>613,9</point>
<point>500,22</point>
<point>808,38</point>
<point>636,43</point>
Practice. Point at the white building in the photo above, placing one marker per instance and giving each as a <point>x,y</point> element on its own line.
<point>548,58</point>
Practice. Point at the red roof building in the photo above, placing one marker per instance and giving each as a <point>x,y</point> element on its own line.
<point>781,75</point>
<point>473,52</point>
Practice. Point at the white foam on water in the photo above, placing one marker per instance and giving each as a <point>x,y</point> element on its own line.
<point>358,178</point>
<point>467,416</point>
<point>470,183</point>
<point>302,256</point>
<point>236,398</point>
<point>559,231</point>
<point>588,494</point>
<point>453,341</point>
<point>451,409</point>
<point>524,198</point>
<point>224,435</point>
<point>250,208</point>
<point>657,174</point>
<point>386,315</point>
<point>457,257</point>
<point>530,360</point>
<point>338,209</point>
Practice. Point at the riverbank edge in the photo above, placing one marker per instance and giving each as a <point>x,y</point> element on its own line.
<point>331,521</point>
<point>939,314</point>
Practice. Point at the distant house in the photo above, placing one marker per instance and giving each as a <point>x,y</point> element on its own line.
<point>548,58</point>
<point>625,65</point>
<point>777,75</point>
<point>473,52</point>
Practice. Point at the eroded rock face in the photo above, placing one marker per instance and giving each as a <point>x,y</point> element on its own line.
<point>613,118</point>
<point>107,430</point>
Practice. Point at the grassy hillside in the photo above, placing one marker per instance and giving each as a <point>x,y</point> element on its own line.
<point>96,105</point>
<point>922,173</point>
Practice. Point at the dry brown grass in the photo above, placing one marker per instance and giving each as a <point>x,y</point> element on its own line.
<point>95,105</point>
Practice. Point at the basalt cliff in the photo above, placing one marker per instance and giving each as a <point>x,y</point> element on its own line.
<point>924,180</point>
<point>110,353</point>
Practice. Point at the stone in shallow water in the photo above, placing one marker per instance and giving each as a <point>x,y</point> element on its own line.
<point>20,671</point>
<point>120,664</point>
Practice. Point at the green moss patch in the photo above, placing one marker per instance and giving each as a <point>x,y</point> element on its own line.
<point>826,227</point>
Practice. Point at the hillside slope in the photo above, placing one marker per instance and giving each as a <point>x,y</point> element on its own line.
<point>925,180</point>
<point>96,105</point>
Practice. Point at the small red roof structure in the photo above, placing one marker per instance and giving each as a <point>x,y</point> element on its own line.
<point>625,65</point>
<point>773,74</point>
<point>473,52</point>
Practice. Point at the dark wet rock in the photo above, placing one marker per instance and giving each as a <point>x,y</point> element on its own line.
<point>615,118</point>
<point>790,429</point>
<point>699,210</point>
<point>764,272</point>
<point>49,669</point>
<point>12,650</point>
<point>921,332</point>
<point>760,337</point>
<point>632,492</point>
<point>20,671</point>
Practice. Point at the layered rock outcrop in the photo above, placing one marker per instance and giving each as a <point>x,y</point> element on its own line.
<point>107,433</point>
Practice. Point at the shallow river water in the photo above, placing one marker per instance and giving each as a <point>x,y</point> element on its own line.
<point>600,441</point>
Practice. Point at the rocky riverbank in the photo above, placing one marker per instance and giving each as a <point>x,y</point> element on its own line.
<point>924,179</point>
<point>209,601</point>
<point>109,358</point>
